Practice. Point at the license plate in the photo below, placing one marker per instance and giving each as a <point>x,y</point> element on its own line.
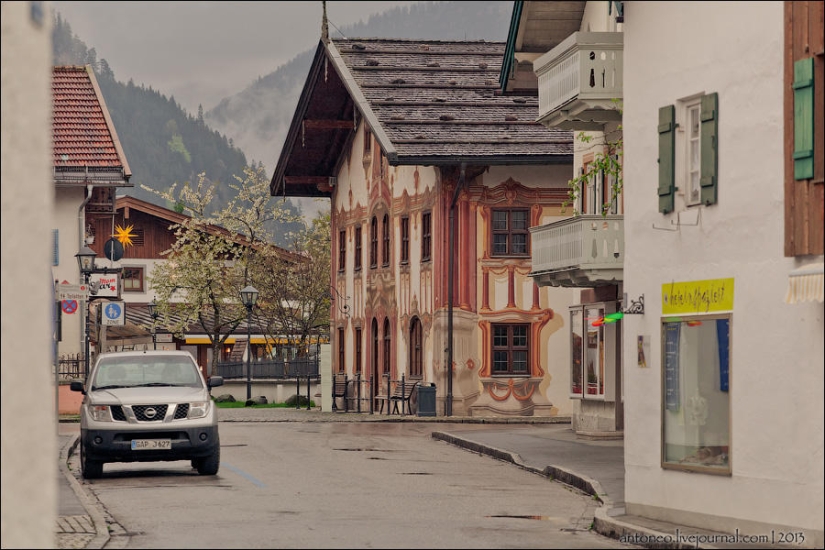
<point>151,444</point>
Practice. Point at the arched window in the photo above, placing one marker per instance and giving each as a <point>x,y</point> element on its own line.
<point>387,346</point>
<point>375,340</point>
<point>374,242</point>
<point>416,349</point>
<point>385,241</point>
<point>358,358</point>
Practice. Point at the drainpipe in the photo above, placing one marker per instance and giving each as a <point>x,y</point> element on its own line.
<point>81,220</point>
<point>450,290</point>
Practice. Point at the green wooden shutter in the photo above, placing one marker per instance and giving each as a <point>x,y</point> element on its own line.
<point>803,119</point>
<point>667,135</point>
<point>709,144</point>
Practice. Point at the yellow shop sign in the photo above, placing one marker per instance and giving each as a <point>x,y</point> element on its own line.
<point>697,296</point>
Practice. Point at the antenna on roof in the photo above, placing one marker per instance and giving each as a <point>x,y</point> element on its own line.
<point>324,25</point>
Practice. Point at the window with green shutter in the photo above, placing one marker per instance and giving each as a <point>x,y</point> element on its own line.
<point>803,119</point>
<point>667,148</point>
<point>709,139</point>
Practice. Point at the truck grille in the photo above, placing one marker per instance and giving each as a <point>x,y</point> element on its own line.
<point>182,411</point>
<point>141,410</point>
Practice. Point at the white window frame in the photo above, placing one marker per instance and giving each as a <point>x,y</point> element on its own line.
<point>603,339</point>
<point>689,146</point>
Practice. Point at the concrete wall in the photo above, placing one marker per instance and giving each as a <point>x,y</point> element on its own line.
<point>29,443</point>
<point>672,51</point>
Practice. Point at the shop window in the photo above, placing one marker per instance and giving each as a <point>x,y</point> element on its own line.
<point>592,346</point>
<point>696,393</point>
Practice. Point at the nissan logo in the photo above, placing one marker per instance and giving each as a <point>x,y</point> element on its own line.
<point>150,412</point>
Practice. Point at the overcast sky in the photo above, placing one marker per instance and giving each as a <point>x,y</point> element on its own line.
<point>201,52</point>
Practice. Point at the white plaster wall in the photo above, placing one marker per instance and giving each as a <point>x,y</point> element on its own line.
<point>29,443</point>
<point>67,201</point>
<point>673,50</point>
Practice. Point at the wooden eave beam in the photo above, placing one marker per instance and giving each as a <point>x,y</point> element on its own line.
<point>329,124</point>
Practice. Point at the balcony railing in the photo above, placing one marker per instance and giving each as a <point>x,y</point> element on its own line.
<point>580,81</point>
<point>584,251</point>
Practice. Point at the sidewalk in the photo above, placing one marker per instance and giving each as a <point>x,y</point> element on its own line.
<point>545,446</point>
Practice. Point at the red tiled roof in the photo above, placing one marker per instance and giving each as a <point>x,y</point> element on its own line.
<point>83,133</point>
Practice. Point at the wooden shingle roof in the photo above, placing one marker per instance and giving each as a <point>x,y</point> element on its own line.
<point>86,146</point>
<point>428,103</point>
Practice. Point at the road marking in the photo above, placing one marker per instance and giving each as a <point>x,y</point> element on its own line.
<point>244,474</point>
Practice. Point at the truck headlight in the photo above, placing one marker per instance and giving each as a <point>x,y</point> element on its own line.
<point>199,409</point>
<point>100,413</point>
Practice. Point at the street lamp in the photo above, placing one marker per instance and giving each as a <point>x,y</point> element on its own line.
<point>86,263</point>
<point>249,295</point>
<point>152,307</point>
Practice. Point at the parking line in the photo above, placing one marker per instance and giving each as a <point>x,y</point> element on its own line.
<point>244,474</point>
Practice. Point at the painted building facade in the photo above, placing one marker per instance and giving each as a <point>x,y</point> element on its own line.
<point>434,180</point>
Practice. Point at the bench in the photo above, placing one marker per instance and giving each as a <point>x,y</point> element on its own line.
<point>340,385</point>
<point>402,393</point>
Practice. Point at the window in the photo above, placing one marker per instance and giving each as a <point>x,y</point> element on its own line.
<point>695,391</point>
<point>341,355</point>
<point>510,233</point>
<point>375,340</point>
<point>387,346</point>
<point>416,350</point>
<point>133,279</point>
<point>358,252</point>
<point>358,356</point>
<point>426,236</point>
<point>374,242</point>
<point>342,250</point>
<point>697,132</point>
<point>804,129</point>
<point>405,239</point>
<point>592,341</point>
<point>385,241</point>
<point>510,349</point>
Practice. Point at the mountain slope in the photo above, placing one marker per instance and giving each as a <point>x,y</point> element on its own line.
<point>257,118</point>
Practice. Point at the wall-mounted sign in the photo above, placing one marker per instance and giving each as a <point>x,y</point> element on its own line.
<point>697,296</point>
<point>164,338</point>
<point>108,284</point>
<point>113,314</point>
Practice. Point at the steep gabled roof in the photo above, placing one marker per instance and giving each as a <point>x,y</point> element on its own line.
<point>86,146</point>
<point>428,103</point>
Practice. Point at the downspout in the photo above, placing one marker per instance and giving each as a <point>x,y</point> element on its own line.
<point>81,220</point>
<point>448,408</point>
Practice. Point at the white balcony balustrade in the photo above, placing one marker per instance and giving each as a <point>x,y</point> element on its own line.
<point>580,81</point>
<point>584,251</point>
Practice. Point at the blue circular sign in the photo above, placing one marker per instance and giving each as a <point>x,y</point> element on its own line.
<point>112,311</point>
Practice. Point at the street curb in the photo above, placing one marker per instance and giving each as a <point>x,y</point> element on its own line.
<point>92,508</point>
<point>557,473</point>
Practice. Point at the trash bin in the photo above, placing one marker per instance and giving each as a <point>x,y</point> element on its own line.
<point>426,400</point>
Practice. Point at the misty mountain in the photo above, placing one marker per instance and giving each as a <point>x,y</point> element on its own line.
<point>257,118</point>
<point>164,144</point>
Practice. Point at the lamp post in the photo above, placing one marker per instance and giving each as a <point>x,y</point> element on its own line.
<point>86,263</point>
<point>249,295</point>
<point>152,307</point>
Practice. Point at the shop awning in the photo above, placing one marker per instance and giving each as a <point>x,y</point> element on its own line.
<point>806,283</point>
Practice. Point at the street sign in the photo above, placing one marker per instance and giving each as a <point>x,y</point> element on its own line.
<point>71,292</point>
<point>108,284</point>
<point>114,314</point>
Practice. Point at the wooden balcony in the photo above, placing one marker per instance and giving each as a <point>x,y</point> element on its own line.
<point>580,81</point>
<point>585,251</point>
